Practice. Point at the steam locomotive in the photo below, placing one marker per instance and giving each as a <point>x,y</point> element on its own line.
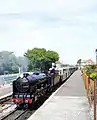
<point>30,87</point>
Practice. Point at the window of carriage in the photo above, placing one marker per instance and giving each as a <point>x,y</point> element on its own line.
<point>64,71</point>
<point>60,71</point>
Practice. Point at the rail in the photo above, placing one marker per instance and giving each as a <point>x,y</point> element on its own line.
<point>5,97</point>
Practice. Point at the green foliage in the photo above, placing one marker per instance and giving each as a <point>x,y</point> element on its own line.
<point>93,76</point>
<point>9,63</point>
<point>41,59</point>
<point>82,70</point>
<point>52,56</point>
<point>93,67</point>
<point>90,70</point>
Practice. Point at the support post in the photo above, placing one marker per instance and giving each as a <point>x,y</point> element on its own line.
<point>95,99</point>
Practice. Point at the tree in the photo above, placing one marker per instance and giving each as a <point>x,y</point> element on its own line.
<point>22,63</point>
<point>40,59</point>
<point>8,62</point>
<point>79,61</point>
<point>50,57</point>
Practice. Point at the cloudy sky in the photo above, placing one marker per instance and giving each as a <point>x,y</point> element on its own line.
<point>66,26</point>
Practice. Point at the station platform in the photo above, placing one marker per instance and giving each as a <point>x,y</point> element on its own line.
<point>69,102</point>
<point>6,89</point>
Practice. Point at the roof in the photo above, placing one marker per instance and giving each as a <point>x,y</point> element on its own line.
<point>90,61</point>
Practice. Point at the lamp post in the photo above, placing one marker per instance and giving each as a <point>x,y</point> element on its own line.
<point>95,91</point>
<point>96,56</point>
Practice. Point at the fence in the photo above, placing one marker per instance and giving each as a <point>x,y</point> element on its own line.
<point>91,88</point>
<point>7,79</point>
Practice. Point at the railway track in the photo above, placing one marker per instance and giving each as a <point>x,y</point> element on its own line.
<point>6,105</point>
<point>5,98</point>
<point>5,102</point>
<point>18,115</point>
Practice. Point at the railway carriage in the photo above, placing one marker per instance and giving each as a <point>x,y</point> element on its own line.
<point>65,72</point>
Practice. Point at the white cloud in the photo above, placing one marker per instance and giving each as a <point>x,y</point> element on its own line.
<point>69,27</point>
<point>46,6</point>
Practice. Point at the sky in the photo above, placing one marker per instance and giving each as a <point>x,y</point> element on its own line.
<point>66,26</point>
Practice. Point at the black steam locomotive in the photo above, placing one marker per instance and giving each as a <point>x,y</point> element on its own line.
<point>30,87</point>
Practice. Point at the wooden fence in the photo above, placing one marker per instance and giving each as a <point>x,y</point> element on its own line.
<point>91,88</point>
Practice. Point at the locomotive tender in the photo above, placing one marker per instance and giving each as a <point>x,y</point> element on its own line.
<point>30,87</point>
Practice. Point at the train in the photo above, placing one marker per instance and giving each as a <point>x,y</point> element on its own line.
<point>31,87</point>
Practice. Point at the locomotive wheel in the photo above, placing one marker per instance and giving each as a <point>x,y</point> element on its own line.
<point>50,90</point>
<point>20,106</point>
